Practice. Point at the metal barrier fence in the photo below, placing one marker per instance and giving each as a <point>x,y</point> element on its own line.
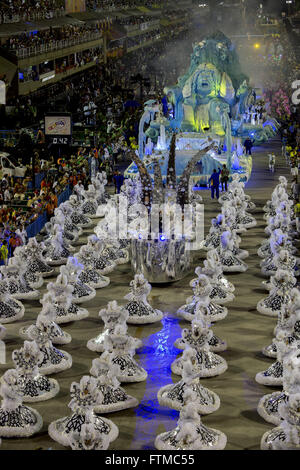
<point>64,196</point>
<point>35,227</point>
<point>38,180</point>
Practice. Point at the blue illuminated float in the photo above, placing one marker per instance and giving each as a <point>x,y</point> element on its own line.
<point>213,99</point>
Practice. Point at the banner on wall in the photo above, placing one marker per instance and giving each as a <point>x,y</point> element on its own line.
<point>75,6</point>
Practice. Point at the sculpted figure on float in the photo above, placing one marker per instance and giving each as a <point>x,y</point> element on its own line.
<point>213,97</point>
<point>204,103</point>
<point>213,89</point>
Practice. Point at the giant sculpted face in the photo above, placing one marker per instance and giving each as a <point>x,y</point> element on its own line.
<point>206,95</point>
<point>205,82</point>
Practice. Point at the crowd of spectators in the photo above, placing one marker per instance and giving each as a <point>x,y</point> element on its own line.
<point>142,38</point>
<point>110,99</point>
<point>282,75</point>
<point>118,111</point>
<point>21,206</point>
<point>50,36</point>
<point>118,4</point>
<point>267,20</point>
<point>106,96</point>
<point>108,86</point>
<point>172,13</point>
<point>273,62</point>
<point>290,136</point>
<point>13,11</point>
<point>85,57</point>
<point>135,20</point>
<point>281,56</point>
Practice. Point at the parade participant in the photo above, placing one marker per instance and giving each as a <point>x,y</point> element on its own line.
<point>4,253</point>
<point>272,160</point>
<point>214,182</point>
<point>248,144</point>
<point>224,177</point>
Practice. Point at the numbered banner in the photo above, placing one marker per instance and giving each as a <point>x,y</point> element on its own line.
<point>60,140</point>
<point>58,128</point>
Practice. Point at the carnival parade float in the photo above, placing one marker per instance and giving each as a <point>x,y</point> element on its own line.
<point>213,99</point>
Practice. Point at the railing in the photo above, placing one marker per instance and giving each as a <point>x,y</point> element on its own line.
<point>37,181</point>
<point>126,6</point>
<point>35,227</point>
<point>111,8</point>
<point>148,42</point>
<point>64,196</point>
<point>131,27</point>
<point>24,52</point>
<point>142,26</point>
<point>16,18</point>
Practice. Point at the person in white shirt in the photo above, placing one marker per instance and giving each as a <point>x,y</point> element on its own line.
<point>109,127</point>
<point>294,173</point>
<point>7,195</point>
<point>106,154</point>
<point>22,234</point>
<point>43,163</point>
<point>79,190</point>
<point>272,160</point>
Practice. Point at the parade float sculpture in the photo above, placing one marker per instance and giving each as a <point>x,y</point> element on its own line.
<point>161,250</point>
<point>211,100</point>
<point>204,129</point>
